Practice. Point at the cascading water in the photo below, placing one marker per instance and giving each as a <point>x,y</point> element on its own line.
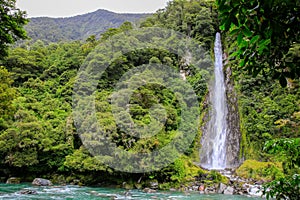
<point>213,151</point>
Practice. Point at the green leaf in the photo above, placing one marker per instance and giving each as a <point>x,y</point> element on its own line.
<point>247,32</point>
<point>254,39</point>
<point>234,31</point>
<point>240,38</point>
<point>225,8</point>
<point>236,53</point>
<point>242,63</point>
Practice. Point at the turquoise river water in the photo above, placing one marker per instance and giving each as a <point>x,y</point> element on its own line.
<point>75,192</point>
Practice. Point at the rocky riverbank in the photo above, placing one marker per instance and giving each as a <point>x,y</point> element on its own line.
<point>229,184</point>
<point>234,186</point>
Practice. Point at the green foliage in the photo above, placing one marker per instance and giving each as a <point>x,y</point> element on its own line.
<point>265,34</point>
<point>78,27</point>
<point>195,18</point>
<point>37,133</point>
<point>24,64</point>
<point>260,170</point>
<point>267,111</point>
<point>41,137</point>
<point>12,21</point>
<point>283,188</point>
<point>215,177</point>
<point>287,150</point>
<point>7,95</point>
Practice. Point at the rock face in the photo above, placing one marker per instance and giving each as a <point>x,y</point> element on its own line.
<point>233,139</point>
<point>41,182</point>
<point>233,133</point>
<point>13,180</point>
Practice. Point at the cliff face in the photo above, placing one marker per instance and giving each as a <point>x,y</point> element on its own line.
<point>233,140</point>
<point>221,135</point>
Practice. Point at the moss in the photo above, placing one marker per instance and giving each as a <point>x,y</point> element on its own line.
<point>213,177</point>
<point>58,179</point>
<point>169,185</point>
<point>260,170</point>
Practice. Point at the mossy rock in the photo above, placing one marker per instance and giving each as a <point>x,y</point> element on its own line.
<point>13,180</point>
<point>264,171</point>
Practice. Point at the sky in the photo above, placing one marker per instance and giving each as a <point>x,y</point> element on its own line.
<point>67,8</point>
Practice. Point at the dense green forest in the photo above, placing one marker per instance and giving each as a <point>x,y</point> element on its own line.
<point>77,27</point>
<point>38,136</point>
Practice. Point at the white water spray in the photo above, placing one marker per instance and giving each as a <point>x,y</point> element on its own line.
<point>213,153</point>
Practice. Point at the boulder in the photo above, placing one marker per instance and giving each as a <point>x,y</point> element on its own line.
<point>221,188</point>
<point>201,188</point>
<point>41,182</point>
<point>13,180</point>
<point>28,192</point>
<point>229,190</point>
<point>255,190</point>
<point>210,190</point>
<point>153,185</point>
<point>148,190</point>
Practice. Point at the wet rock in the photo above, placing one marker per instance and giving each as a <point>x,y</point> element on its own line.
<point>201,188</point>
<point>233,139</point>
<point>112,196</point>
<point>13,180</point>
<point>127,186</point>
<point>221,188</point>
<point>210,190</point>
<point>153,185</point>
<point>255,190</point>
<point>76,182</point>
<point>229,190</point>
<point>41,182</point>
<point>28,192</point>
<point>149,190</point>
<point>138,186</point>
<point>195,188</point>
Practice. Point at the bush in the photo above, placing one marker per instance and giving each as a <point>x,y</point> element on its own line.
<point>266,171</point>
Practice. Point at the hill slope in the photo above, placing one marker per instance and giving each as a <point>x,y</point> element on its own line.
<point>77,27</point>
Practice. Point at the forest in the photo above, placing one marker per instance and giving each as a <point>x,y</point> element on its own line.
<point>38,135</point>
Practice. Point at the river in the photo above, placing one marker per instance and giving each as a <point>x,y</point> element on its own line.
<point>8,191</point>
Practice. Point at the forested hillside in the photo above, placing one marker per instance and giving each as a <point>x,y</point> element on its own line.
<point>38,136</point>
<point>78,27</point>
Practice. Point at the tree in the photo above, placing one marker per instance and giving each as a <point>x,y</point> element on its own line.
<point>266,33</point>
<point>12,21</point>
<point>7,94</point>
<point>288,187</point>
<point>195,18</point>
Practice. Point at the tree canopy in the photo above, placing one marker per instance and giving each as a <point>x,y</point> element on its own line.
<point>12,21</point>
<point>267,34</point>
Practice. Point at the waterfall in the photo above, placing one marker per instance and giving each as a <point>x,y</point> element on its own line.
<point>213,151</point>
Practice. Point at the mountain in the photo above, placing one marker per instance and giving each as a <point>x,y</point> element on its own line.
<point>78,27</point>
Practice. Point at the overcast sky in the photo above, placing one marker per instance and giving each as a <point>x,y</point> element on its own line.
<point>66,8</point>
